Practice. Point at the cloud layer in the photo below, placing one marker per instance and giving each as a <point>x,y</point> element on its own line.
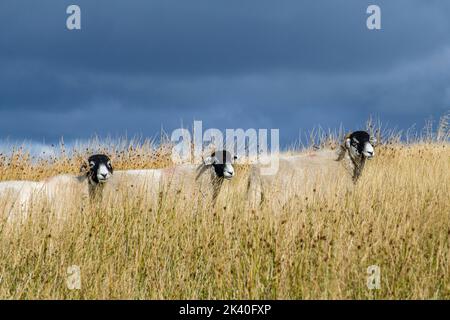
<point>138,66</point>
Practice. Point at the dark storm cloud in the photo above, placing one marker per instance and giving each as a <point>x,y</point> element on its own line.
<point>138,65</point>
<point>202,36</point>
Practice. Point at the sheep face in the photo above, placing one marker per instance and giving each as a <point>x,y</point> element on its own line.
<point>100,168</point>
<point>222,163</point>
<point>360,144</point>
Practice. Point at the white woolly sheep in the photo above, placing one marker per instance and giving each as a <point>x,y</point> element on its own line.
<point>186,176</point>
<point>58,190</point>
<point>299,173</point>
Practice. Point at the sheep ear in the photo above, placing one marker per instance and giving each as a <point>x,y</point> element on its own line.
<point>347,143</point>
<point>84,167</point>
<point>208,161</point>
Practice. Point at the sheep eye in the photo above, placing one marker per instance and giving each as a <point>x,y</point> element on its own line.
<point>109,164</point>
<point>92,164</point>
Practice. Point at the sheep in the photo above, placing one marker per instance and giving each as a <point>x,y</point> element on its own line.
<point>219,163</point>
<point>299,173</point>
<point>95,174</point>
<point>358,146</point>
<point>99,172</point>
<point>59,190</point>
<point>221,168</point>
<point>16,195</point>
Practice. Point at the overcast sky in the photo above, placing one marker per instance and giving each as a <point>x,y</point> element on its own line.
<point>139,66</point>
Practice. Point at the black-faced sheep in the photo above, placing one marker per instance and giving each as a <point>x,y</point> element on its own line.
<point>59,190</point>
<point>297,174</point>
<point>181,177</point>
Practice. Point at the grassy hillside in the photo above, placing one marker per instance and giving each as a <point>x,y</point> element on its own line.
<point>317,245</point>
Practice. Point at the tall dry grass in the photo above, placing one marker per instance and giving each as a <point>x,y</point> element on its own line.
<point>20,164</point>
<point>317,246</point>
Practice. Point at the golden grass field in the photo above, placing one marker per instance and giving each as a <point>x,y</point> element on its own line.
<point>318,246</point>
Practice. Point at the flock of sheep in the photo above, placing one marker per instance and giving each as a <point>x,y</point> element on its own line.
<point>98,174</point>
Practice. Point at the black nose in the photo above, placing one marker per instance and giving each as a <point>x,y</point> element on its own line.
<point>104,175</point>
